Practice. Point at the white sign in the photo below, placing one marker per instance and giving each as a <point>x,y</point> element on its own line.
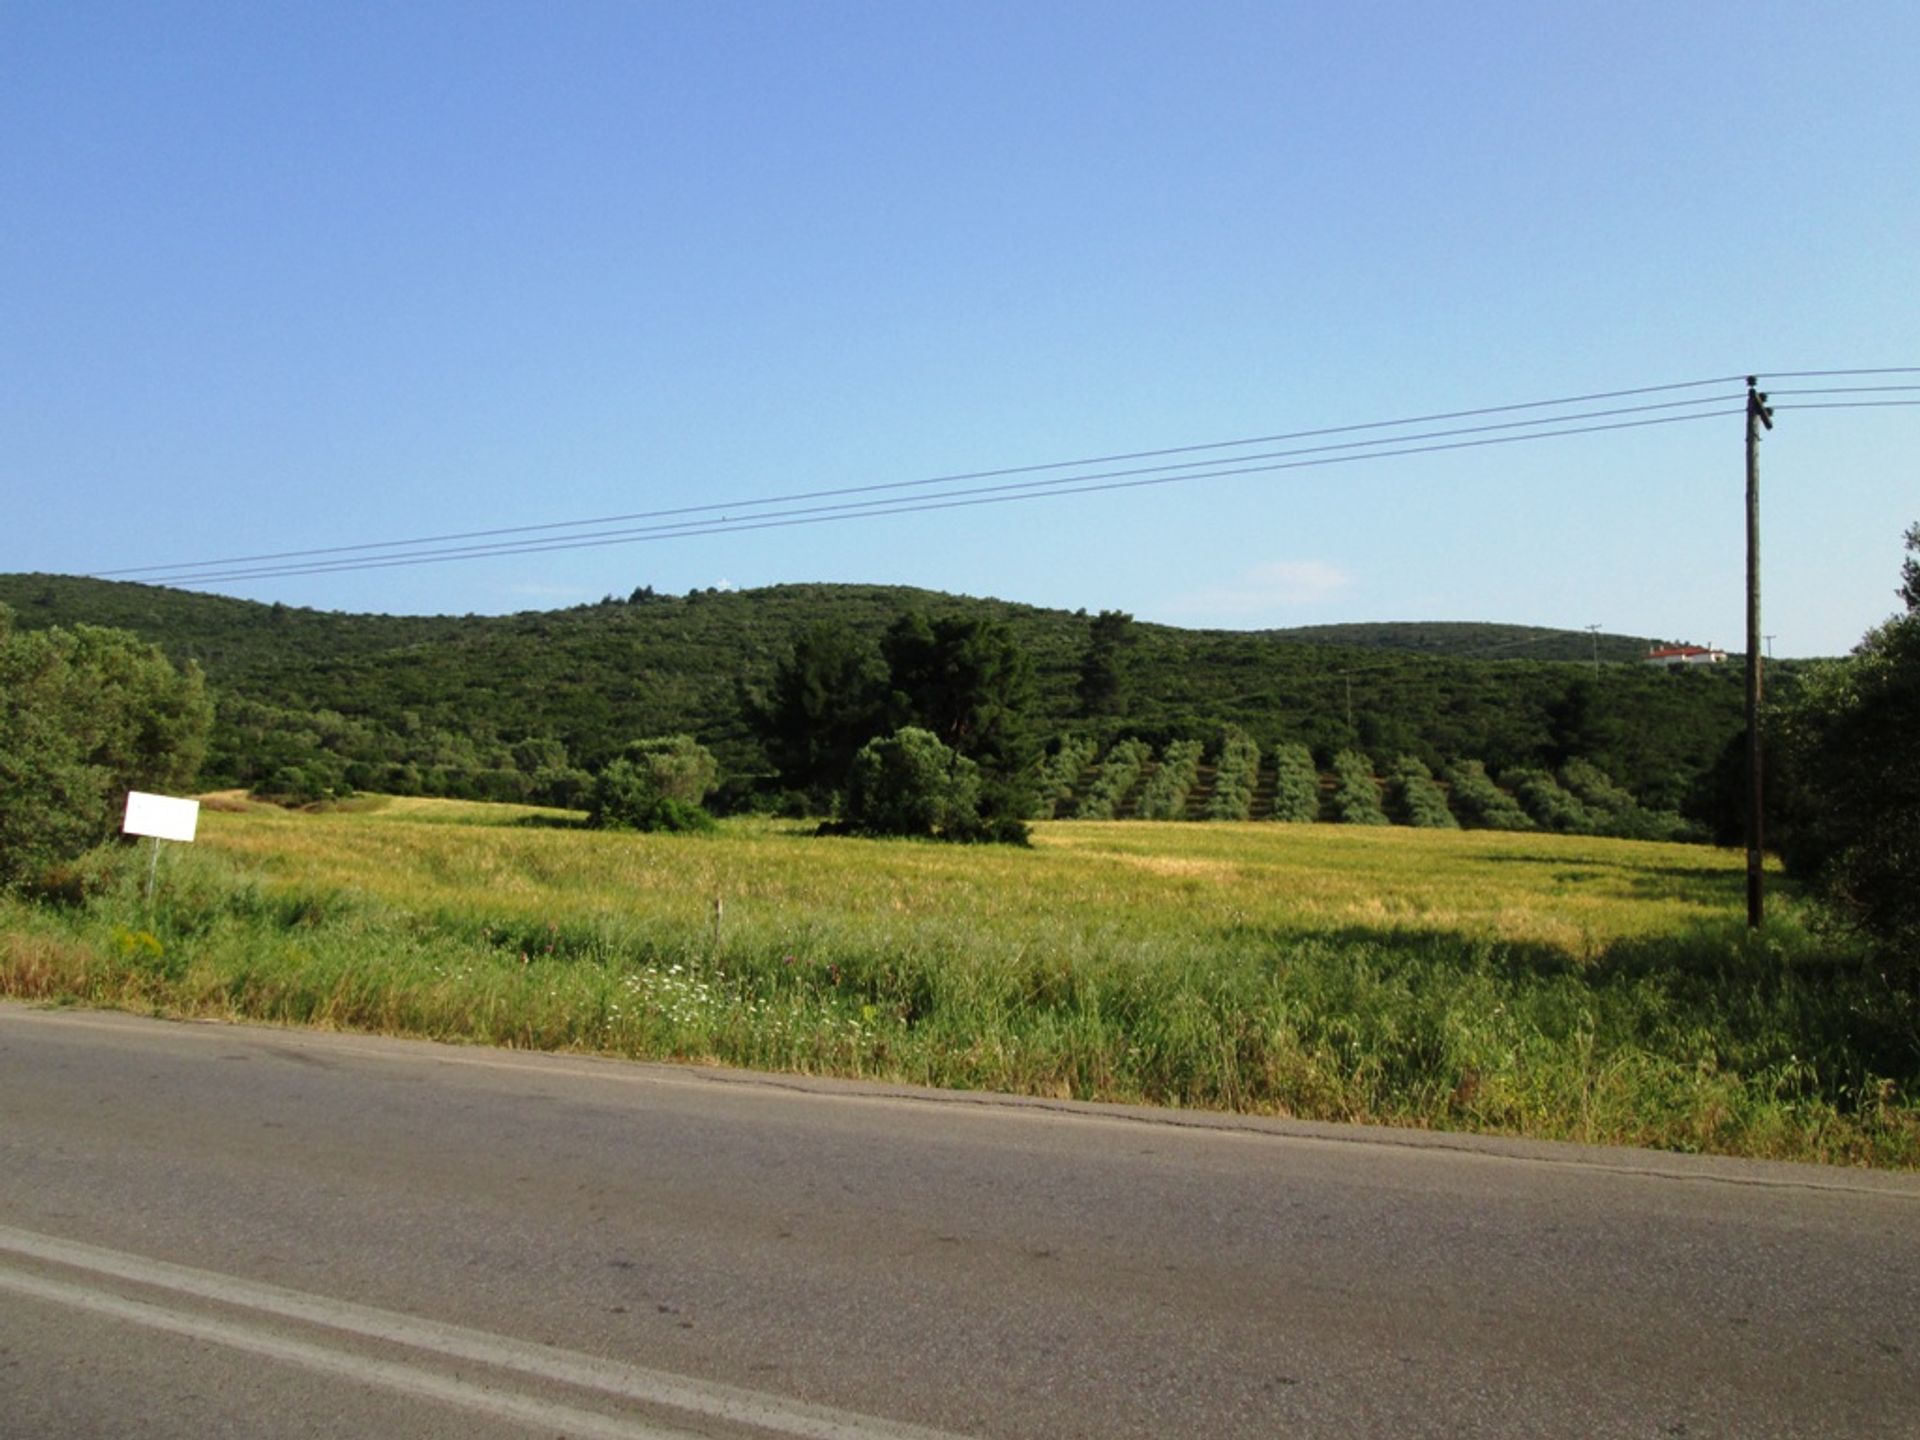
<point>160,816</point>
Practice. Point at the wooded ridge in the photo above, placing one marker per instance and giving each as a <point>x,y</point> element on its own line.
<point>484,705</point>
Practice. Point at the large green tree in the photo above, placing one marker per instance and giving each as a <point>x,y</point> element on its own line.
<point>825,702</point>
<point>1102,687</point>
<point>1852,745</point>
<point>969,682</point>
<point>86,715</point>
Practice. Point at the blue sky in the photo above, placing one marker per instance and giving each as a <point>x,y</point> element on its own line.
<point>281,277</point>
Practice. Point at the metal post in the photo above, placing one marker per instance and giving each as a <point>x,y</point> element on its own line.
<point>153,864</point>
<point>1757,415</point>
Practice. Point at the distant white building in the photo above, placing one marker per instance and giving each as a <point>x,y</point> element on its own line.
<point>1673,655</point>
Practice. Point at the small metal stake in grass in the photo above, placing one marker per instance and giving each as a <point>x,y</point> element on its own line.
<point>719,909</point>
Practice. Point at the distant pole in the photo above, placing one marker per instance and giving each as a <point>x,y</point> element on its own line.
<point>1757,415</point>
<point>1351,737</point>
<point>1594,630</point>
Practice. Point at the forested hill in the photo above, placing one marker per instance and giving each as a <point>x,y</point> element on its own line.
<point>221,631</point>
<point>425,700</point>
<point>1473,641</point>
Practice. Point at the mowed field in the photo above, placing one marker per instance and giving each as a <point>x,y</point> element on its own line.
<point>1557,987</point>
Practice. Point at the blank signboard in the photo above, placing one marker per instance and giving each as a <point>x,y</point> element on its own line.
<point>161,816</point>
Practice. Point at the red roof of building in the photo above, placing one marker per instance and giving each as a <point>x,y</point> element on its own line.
<point>1674,652</point>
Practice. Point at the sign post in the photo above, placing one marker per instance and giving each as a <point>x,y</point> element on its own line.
<point>162,817</point>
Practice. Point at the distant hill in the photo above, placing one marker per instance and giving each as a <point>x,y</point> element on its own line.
<point>429,702</point>
<point>1474,641</point>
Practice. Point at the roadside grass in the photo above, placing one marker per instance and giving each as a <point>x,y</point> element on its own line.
<point>1550,986</point>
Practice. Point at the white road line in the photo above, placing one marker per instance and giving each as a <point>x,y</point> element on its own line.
<point>773,1413</point>
<point>391,1375</point>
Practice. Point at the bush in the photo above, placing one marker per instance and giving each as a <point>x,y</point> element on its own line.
<point>1552,805</point>
<point>85,716</point>
<point>1060,771</point>
<point>1165,796</point>
<point>1615,811</point>
<point>1853,740</point>
<point>1118,772</point>
<point>1481,804</point>
<point>1236,774</point>
<point>1296,785</point>
<point>909,783</point>
<point>1356,794</point>
<point>655,784</point>
<point>1416,798</point>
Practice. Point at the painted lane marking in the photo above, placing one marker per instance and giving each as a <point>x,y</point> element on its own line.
<point>707,1399</point>
<point>387,1374</point>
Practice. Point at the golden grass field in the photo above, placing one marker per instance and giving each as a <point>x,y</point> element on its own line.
<point>1575,895</point>
<point>1551,986</point>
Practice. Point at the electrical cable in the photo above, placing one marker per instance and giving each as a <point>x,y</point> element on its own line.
<point>1847,390</point>
<point>864,509</point>
<point>723,506</point>
<point>1853,405</point>
<point>1825,374</point>
<point>696,526</point>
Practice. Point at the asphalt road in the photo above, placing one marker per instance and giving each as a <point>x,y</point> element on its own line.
<point>213,1230</point>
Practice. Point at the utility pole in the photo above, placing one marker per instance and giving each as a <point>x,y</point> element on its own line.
<point>1758,414</point>
<point>1594,630</point>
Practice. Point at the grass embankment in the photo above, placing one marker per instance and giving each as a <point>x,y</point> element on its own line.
<point>1548,986</point>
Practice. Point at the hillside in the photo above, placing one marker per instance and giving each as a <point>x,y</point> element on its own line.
<point>1473,641</point>
<point>414,702</point>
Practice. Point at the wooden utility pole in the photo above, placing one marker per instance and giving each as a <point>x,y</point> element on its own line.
<point>1757,415</point>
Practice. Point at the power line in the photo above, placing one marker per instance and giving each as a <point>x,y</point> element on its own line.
<point>716,518</point>
<point>1852,405</point>
<point>1846,390</point>
<point>958,478</point>
<point>1827,374</point>
<point>864,509</point>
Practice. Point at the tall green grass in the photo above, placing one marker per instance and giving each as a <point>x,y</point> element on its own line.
<point>1545,986</point>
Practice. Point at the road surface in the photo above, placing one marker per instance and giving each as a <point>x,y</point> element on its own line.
<point>219,1230</point>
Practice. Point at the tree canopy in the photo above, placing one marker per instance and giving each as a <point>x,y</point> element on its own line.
<point>86,715</point>
<point>1851,743</point>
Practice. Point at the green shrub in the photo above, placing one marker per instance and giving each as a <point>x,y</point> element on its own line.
<point>1552,805</point>
<point>655,784</point>
<point>85,716</point>
<point>1481,804</point>
<point>1165,796</point>
<point>1416,798</point>
<point>1118,773</point>
<point>1853,741</point>
<point>909,783</point>
<point>1615,812</point>
<point>1296,785</point>
<point>1236,774</point>
<point>1356,794</point>
<point>1060,771</point>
